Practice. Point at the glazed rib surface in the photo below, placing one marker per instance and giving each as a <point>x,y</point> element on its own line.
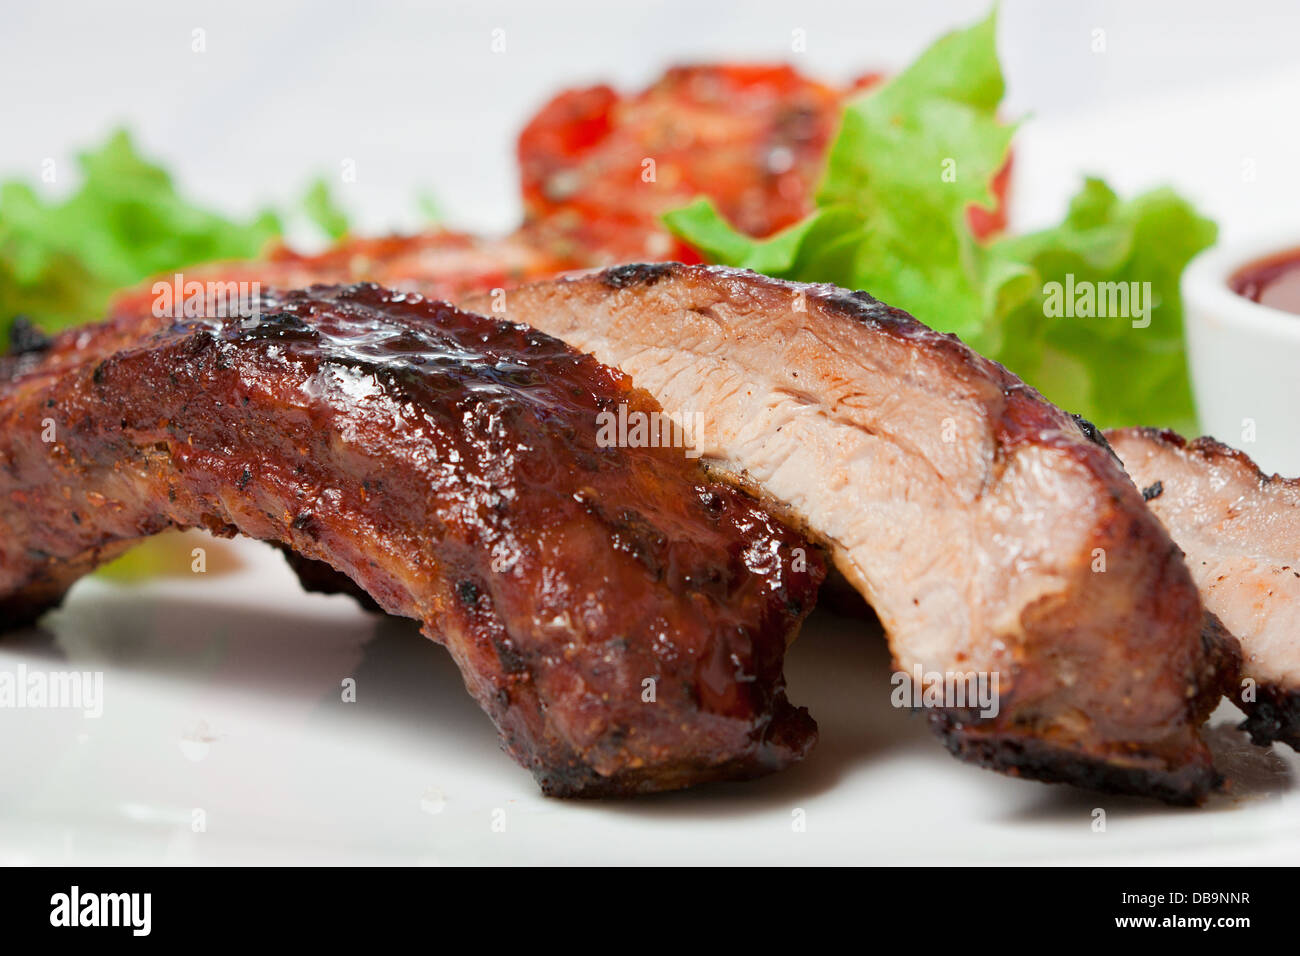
<point>622,618</point>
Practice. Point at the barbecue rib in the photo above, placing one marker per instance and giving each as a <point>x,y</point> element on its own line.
<point>450,465</point>
<point>1240,530</point>
<point>990,531</point>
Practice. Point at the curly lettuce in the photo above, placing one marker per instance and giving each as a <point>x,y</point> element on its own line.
<point>61,260</point>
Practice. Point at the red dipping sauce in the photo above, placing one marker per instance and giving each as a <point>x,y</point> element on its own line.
<point>1273,281</point>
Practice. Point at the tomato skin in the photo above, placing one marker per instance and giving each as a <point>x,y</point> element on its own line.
<point>599,169</point>
<point>990,222</point>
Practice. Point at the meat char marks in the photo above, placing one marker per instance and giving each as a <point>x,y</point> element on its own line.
<point>621,617</point>
<point>1240,530</point>
<point>989,533</point>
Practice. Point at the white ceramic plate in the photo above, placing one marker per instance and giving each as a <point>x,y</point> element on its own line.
<point>222,695</point>
<point>222,692</point>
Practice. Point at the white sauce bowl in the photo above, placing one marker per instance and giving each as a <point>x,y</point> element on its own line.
<point>1244,357</point>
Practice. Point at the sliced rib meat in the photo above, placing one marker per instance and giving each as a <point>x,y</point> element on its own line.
<point>622,618</point>
<point>1240,530</point>
<point>989,533</point>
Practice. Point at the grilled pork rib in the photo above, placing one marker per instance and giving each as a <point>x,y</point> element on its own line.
<point>622,618</point>
<point>989,533</point>
<point>1240,530</point>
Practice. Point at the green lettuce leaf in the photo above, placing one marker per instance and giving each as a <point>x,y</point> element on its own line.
<point>908,162</point>
<point>61,260</point>
<point>322,209</point>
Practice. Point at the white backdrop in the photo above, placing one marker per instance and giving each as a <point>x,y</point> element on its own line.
<point>1186,91</point>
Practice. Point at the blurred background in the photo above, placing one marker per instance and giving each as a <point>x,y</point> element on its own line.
<point>246,101</point>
